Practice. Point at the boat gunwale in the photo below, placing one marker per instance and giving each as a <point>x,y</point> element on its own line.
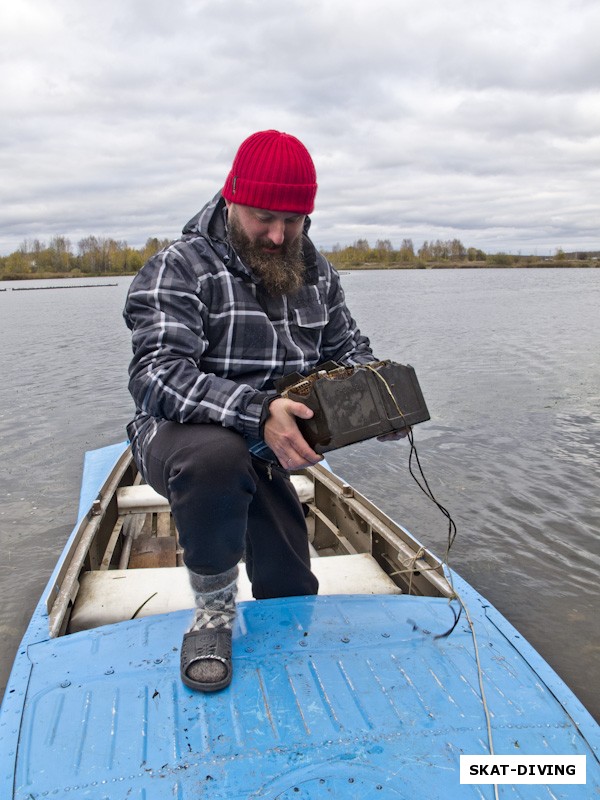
<point>63,583</point>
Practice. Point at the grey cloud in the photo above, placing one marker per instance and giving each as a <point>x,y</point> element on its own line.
<point>424,119</point>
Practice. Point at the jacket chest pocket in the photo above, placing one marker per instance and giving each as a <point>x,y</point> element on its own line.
<point>308,310</point>
<point>307,324</point>
<point>312,317</point>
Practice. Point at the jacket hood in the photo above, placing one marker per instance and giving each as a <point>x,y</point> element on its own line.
<point>210,220</point>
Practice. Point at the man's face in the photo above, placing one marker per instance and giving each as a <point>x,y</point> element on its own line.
<point>270,243</point>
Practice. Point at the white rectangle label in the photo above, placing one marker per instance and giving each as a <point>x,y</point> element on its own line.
<point>523,769</point>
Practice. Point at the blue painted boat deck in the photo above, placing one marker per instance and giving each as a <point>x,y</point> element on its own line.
<point>346,697</point>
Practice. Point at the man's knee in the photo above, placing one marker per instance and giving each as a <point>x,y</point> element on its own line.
<point>200,453</point>
<point>216,457</point>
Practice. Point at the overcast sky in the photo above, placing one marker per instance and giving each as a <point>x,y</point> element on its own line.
<point>426,119</point>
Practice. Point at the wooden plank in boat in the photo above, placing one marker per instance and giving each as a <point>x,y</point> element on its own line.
<point>153,551</point>
<point>163,524</point>
<point>143,498</point>
<point>112,543</point>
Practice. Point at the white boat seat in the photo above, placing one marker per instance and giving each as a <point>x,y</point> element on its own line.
<point>108,596</point>
<point>142,499</point>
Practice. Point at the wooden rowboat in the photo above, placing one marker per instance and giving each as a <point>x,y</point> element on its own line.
<point>355,693</point>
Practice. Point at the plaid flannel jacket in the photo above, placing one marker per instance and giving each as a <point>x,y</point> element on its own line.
<point>208,341</point>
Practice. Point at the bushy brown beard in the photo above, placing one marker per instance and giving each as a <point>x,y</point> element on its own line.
<point>281,272</point>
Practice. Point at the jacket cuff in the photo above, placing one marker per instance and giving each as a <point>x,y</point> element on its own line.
<point>250,418</point>
<point>264,415</point>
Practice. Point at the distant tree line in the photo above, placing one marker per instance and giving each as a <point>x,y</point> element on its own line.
<point>386,255</point>
<point>440,252</point>
<point>97,255</point>
<point>94,255</point>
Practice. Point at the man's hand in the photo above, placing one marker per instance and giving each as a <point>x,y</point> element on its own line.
<point>282,435</point>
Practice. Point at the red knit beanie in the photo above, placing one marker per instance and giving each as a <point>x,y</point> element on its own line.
<point>274,171</point>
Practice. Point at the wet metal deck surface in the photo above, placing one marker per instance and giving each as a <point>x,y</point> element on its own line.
<point>345,697</point>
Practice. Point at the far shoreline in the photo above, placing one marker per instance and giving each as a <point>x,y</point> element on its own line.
<point>537,264</point>
<point>549,263</point>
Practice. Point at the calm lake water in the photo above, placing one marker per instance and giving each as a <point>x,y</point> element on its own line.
<point>509,363</point>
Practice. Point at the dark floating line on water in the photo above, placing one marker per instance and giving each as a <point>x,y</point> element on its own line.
<point>72,286</point>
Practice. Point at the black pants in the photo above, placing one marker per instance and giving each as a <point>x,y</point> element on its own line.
<point>228,505</point>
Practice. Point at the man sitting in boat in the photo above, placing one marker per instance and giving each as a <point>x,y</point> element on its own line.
<point>242,299</point>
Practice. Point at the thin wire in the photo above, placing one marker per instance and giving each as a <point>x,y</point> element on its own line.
<point>486,711</point>
<point>452,531</point>
<point>424,485</point>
